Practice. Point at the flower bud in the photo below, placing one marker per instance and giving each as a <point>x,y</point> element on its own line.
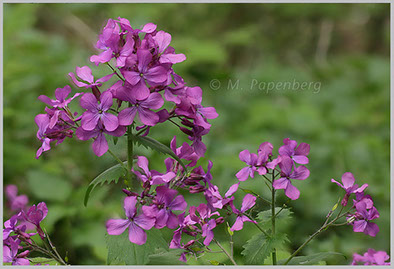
<point>186,131</point>
<point>219,220</point>
<point>196,189</point>
<point>23,254</point>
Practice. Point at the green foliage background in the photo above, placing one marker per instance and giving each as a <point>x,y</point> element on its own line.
<point>346,122</point>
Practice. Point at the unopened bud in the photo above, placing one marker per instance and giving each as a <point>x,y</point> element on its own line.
<point>219,220</point>
<point>186,131</point>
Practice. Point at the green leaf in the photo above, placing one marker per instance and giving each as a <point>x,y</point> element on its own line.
<point>149,142</point>
<point>214,262</point>
<point>122,251</point>
<point>259,247</point>
<point>313,259</point>
<point>48,187</point>
<point>264,217</point>
<point>166,257</point>
<point>111,174</point>
<point>43,261</point>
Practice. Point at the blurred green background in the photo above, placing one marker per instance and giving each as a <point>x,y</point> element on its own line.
<point>344,47</point>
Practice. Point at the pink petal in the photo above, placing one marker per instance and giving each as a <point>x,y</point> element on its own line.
<point>359,226</point>
<point>144,222</point>
<point>84,73</point>
<point>89,120</point>
<point>243,174</point>
<point>117,226</point>
<point>126,116</point>
<point>281,183</point>
<point>248,202</point>
<point>147,116</point>
<point>172,58</point>
<point>292,192</point>
<point>156,75</point>
<point>348,180</point>
<point>136,234</point>
<point>106,100</point>
<point>238,225</point>
<point>110,121</point>
<point>100,145</point>
<point>132,77</point>
<point>88,101</point>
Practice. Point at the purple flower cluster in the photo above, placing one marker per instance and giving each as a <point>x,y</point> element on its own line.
<point>371,257</point>
<point>143,60</point>
<point>160,205</point>
<point>365,212</point>
<point>16,229</point>
<point>285,164</point>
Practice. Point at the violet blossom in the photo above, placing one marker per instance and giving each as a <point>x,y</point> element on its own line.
<point>371,257</point>
<point>247,203</point>
<point>363,218</point>
<point>97,112</point>
<point>142,107</point>
<point>84,73</point>
<point>288,171</point>
<point>61,100</point>
<point>15,201</point>
<point>10,253</point>
<point>349,186</point>
<point>151,176</point>
<point>135,223</point>
<point>298,154</point>
<point>165,201</point>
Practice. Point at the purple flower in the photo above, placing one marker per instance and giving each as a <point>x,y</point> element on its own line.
<point>298,154</point>
<point>142,107</point>
<point>42,121</point>
<point>98,112</point>
<point>251,160</point>
<point>184,224</point>
<point>287,173</point>
<point>10,253</point>
<point>108,41</point>
<point>167,55</point>
<point>371,257</point>
<point>185,152</point>
<point>164,203</point>
<point>100,144</point>
<point>349,186</point>
<point>16,202</point>
<point>363,220</point>
<point>84,73</point>
<point>144,74</point>
<point>136,224</point>
<point>202,215</point>
<point>61,95</point>
<point>151,176</point>
<point>35,215</point>
<point>247,203</point>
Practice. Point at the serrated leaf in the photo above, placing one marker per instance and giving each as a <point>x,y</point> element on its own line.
<point>166,257</point>
<point>43,261</point>
<point>149,142</point>
<point>259,247</point>
<point>122,251</point>
<point>112,174</point>
<point>283,217</point>
<point>313,259</point>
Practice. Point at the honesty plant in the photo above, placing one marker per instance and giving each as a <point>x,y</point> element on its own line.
<point>141,60</point>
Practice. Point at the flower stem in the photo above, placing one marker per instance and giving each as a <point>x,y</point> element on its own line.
<point>321,229</point>
<point>273,216</point>
<point>225,252</point>
<point>117,159</point>
<point>129,149</point>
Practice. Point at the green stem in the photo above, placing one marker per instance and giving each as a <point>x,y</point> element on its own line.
<point>322,228</point>
<point>129,149</point>
<point>225,252</point>
<point>117,159</point>
<point>258,226</point>
<point>273,216</point>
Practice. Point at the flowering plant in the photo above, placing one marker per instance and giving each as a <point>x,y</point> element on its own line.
<point>148,92</point>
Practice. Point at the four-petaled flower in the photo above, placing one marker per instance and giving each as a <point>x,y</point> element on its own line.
<point>349,186</point>
<point>98,112</point>
<point>247,203</point>
<point>363,220</point>
<point>288,171</point>
<point>136,223</point>
<point>298,154</point>
<point>165,202</point>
